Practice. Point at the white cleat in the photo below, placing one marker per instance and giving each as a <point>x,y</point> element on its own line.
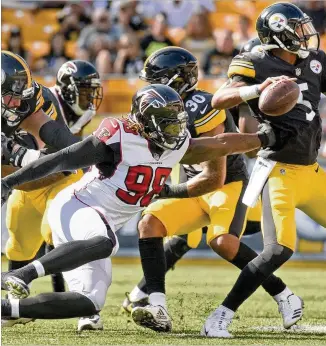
<point>291,308</point>
<point>90,323</point>
<point>7,322</point>
<point>154,317</point>
<point>16,288</point>
<point>216,325</point>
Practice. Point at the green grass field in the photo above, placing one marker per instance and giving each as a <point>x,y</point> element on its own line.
<point>193,292</point>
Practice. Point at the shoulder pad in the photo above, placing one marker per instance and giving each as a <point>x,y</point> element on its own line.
<point>243,65</point>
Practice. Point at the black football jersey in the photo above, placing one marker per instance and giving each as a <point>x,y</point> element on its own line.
<point>298,132</point>
<point>28,107</point>
<point>203,118</point>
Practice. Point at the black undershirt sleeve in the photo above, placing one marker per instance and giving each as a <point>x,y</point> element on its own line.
<point>89,152</point>
<point>56,135</point>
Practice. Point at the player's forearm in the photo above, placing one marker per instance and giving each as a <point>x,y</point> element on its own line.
<point>204,149</point>
<point>226,98</point>
<point>79,155</point>
<point>56,135</point>
<point>234,93</point>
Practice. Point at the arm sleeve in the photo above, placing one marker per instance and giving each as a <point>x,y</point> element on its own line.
<point>89,152</point>
<point>56,135</point>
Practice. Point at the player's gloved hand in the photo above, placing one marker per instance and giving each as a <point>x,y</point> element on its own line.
<point>173,191</point>
<point>12,153</point>
<point>5,192</point>
<point>266,135</point>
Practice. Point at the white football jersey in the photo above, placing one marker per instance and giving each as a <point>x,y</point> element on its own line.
<point>121,189</point>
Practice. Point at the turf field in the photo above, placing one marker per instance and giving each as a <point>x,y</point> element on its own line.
<point>193,291</point>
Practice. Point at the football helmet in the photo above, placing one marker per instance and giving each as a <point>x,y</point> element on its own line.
<point>250,45</point>
<point>78,83</point>
<point>17,83</point>
<point>172,66</point>
<point>286,26</point>
<point>159,112</point>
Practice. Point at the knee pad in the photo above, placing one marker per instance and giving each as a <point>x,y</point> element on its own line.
<point>272,257</point>
<point>177,245</point>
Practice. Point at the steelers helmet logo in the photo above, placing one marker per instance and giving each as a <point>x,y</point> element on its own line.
<point>277,22</point>
<point>315,66</point>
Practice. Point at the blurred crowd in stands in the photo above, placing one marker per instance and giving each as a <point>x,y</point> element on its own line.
<point>117,36</point>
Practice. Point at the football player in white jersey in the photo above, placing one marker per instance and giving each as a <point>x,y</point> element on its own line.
<point>133,158</point>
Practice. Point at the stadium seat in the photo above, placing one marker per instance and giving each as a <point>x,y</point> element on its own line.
<point>18,17</point>
<point>5,31</point>
<point>40,32</point>
<point>222,20</point>
<point>244,7</point>
<point>71,48</point>
<point>46,17</point>
<point>37,49</point>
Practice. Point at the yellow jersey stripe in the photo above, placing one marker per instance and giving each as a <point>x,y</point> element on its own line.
<point>242,71</point>
<point>242,65</point>
<point>235,61</point>
<point>211,123</point>
<point>205,116</point>
<point>24,64</point>
<point>204,121</point>
<point>40,100</point>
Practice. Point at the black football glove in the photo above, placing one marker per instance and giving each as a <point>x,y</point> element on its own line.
<point>266,135</point>
<point>5,192</point>
<point>12,153</point>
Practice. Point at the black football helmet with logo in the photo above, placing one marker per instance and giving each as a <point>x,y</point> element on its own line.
<point>16,82</point>
<point>78,83</point>
<point>286,26</point>
<point>160,113</point>
<point>172,66</point>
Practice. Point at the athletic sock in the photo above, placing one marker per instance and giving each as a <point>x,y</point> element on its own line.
<point>12,265</point>
<point>248,281</point>
<point>66,257</point>
<point>272,285</point>
<point>51,306</point>
<point>136,294</point>
<point>283,295</point>
<point>153,263</point>
<point>174,249</point>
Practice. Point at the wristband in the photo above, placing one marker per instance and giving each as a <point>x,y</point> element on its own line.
<point>174,191</point>
<point>249,92</point>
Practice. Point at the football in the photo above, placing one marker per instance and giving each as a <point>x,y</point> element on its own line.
<point>279,97</point>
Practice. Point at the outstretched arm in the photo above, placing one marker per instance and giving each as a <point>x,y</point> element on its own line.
<point>204,149</point>
<point>83,154</point>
